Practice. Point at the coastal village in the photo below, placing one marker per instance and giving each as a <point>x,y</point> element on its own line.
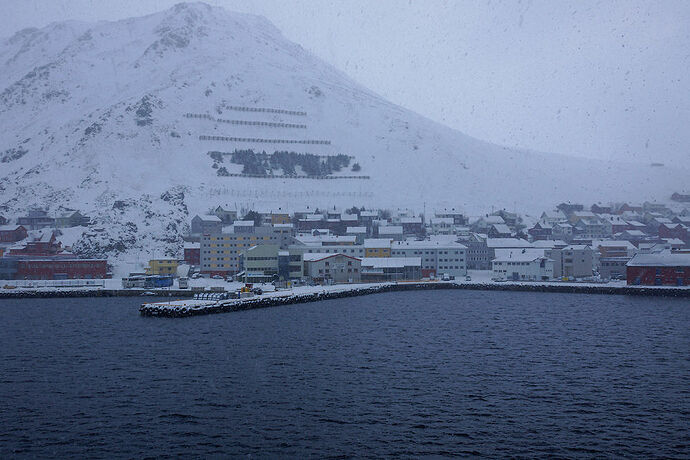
<point>646,244</point>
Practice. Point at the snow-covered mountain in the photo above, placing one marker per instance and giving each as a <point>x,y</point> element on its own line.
<point>93,118</point>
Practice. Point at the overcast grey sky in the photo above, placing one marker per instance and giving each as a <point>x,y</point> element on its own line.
<point>605,79</point>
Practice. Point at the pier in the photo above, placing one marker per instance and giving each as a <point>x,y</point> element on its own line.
<point>180,309</point>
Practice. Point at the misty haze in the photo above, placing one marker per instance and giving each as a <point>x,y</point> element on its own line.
<point>472,219</point>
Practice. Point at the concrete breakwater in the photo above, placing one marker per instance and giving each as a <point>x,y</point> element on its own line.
<point>49,293</point>
<point>175,311</point>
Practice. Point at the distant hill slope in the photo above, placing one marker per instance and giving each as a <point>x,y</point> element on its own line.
<point>117,119</point>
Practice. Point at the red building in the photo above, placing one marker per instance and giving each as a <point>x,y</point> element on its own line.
<point>659,269</point>
<point>679,231</point>
<point>59,268</point>
<point>192,253</point>
<point>45,245</point>
<point>12,233</point>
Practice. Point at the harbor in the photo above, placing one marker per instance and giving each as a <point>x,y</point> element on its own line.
<point>306,294</point>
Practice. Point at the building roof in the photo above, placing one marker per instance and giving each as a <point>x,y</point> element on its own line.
<point>442,221</point>
<point>391,230</point>
<point>507,243</point>
<point>316,256</point>
<point>208,218</point>
<point>612,244</point>
<point>524,254</point>
<point>191,245</point>
<point>410,220</point>
<point>550,244</point>
<point>243,223</point>
<point>520,257</point>
<point>377,243</point>
<point>10,228</point>
<point>391,262</point>
<point>660,259</point>
<point>357,230</point>
<point>422,244</point>
<point>501,228</point>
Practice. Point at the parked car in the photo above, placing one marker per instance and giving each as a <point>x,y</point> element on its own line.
<point>217,277</point>
<point>468,278</point>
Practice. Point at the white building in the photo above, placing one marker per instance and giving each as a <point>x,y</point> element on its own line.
<point>438,256</point>
<point>522,266</point>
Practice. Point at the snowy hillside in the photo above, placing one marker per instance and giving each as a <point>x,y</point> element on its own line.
<point>96,117</point>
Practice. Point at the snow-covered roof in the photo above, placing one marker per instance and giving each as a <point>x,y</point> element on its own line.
<point>349,217</point>
<point>391,230</point>
<point>442,221</point>
<point>577,247</point>
<point>391,262</point>
<point>660,259</point>
<point>550,244</point>
<point>612,244</point>
<point>377,243</point>
<point>519,257</point>
<point>316,256</point>
<point>357,230</point>
<point>501,228</point>
<point>192,245</point>
<point>243,223</point>
<point>9,228</point>
<point>519,254</point>
<point>675,241</point>
<point>410,220</point>
<point>507,243</point>
<point>209,218</point>
<point>422,244</point>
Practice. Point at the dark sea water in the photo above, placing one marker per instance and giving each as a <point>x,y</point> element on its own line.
<point>467,373</point>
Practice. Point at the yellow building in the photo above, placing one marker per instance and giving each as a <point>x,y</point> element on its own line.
<point>377,247</point>
<point>280,218</point>
<point>162,267</point>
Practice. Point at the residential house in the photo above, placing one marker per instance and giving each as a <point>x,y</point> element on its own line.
<point>499,231</point>
<point>673,230</point>
<point>206,225</point>
<point>456,215</point>
<point>37,219</point>
<point>393,232</point>
<point>70,219</point>
<point>542,230</point>
<point>332,268</point>
<point>519,266</point>
<point>412,226</point>
<point>360,233</point>
<point>12,233</point>
<point>384,269</point>
<point>441,225</point>
<point>226,216</point>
